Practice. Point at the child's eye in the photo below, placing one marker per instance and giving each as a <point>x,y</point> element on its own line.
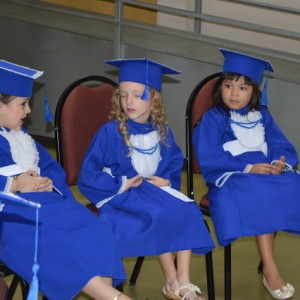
<point>243,88</point>
<point>123,96</point>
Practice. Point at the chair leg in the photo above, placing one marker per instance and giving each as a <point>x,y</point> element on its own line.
<point>227,275</point>
<point>136,270</point>
<point>13,287</point>
<point>210,276</point>
<point>120,287</point>
<point>260,267</point>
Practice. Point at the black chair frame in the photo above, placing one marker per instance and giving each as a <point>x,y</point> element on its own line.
<point>190,191</point>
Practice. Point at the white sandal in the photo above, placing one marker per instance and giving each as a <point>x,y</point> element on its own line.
<point>169,294</point>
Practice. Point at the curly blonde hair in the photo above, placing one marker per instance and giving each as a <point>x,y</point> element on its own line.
<point>157,116</point>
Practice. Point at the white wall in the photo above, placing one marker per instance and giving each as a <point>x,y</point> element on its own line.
<point>250,14</point>
<point>65,57</point>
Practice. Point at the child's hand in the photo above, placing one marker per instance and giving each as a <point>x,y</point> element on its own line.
<point>43,184</point>
<point>261,168</point>
<point>158,181</point>
<point>31,182</point>
<point>278,166</point>
<point>133,182</point>
<point>274,168</point>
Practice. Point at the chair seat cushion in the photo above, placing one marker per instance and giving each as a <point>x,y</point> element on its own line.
<point>204,201</point>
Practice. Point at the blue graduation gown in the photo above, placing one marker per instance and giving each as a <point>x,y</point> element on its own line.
<point>74,245</point>
<point>247,204</point>
<point>145,219</point>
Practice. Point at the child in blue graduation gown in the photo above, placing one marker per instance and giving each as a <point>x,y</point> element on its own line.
<point>132,173</point>
<point>76,250</point>
<point>249,165</point>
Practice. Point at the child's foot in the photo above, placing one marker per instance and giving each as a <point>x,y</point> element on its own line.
<point>284,292</point>
<point>182,292</point>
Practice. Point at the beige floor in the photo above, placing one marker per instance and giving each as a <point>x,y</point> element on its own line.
<point>246,282</point>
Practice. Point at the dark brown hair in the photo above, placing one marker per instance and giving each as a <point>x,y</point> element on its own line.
<point>254,103</point>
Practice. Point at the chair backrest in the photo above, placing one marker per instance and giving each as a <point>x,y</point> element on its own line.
<point>200,100</point>
<point>82,108</point>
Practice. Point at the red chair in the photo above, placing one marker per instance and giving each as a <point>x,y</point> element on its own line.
<point>82,109</point>
<point>3,289</point>
<point>200,100</point>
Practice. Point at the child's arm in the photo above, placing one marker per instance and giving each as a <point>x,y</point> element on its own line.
<point>278,145</point>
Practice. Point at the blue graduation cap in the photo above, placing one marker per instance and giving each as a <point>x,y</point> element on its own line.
<point>142,70</point>
<point>16,80</point>
<point>247,65</point>
<point>12,199</point>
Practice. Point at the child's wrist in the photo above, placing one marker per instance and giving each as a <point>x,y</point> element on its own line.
<point>14,185</point>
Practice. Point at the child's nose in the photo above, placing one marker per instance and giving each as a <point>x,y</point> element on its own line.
<point>235,91</point>
<point>28,109</point>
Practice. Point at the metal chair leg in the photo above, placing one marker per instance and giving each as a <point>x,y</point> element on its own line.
<point>136,270</point>
<point>227,275</point>
<point>260,267</point>
<point>120,287</point>
<point>210,276</point>
<point>13,286</point>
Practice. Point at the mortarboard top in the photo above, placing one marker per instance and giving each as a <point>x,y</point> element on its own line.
<point>12,199</point>
<point>16,80</point>
<point>247,65</point>
<point>142,70</point>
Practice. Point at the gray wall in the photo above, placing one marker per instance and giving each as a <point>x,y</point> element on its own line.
<point>65,57</point>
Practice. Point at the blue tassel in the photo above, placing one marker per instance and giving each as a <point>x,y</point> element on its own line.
<point>48,117</point>
<point>264,96</point>
<point>34,286</point>
<point>145,95</point>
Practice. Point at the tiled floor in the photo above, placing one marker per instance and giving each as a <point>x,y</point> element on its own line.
<point>246,282</point>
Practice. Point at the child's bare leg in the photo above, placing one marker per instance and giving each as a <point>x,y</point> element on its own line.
<point>179,275</point>
<point>100,288</point>
<point>271,272</point>
<point>168,267</point>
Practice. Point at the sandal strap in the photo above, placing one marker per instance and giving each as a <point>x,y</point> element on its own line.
<point>192,288</point>
<point>118,296</point>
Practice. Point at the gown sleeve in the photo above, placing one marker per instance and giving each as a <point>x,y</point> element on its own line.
<point>95,183</point>
<point>5,160</point>
<point>49,167</point>
<point>278,144</point>
<point>208,139</point>
<point>170,167</point>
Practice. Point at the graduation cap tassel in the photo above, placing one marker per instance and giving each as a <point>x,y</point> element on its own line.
<point>145,95</point>
<point>47,111</point>
<point>34,286</point>
<point>264,98</point>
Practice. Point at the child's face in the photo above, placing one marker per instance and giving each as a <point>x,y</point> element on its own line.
<point>235,93</point>
<point>13,113</point>
<point>136,108</point>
